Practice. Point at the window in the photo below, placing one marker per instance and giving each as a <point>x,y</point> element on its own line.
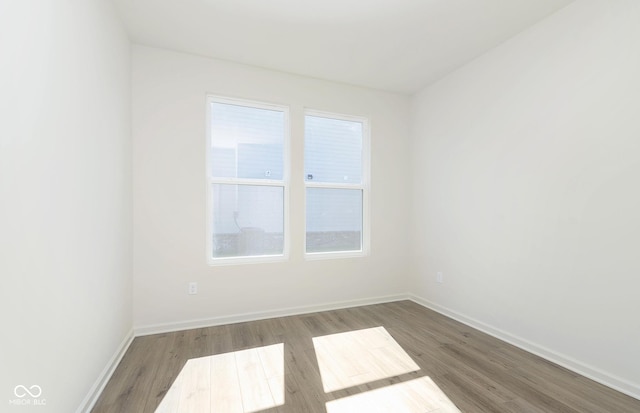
<point>247,171</point>
<point>336,179</point>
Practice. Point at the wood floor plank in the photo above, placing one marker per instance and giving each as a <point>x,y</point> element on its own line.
<point>256,393</point>
<point>280,364</point>
<point>171,401</point>
<point>414,396</point>
<point>195,393</point>
<point>226,396</point>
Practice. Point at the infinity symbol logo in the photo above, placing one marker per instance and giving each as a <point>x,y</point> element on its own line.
<point>33,391</point>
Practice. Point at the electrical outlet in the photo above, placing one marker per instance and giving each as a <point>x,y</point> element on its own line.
<point>439,277</point>
<point>193,288</point>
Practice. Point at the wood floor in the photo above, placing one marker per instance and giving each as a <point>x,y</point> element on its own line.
<point>334,362</point>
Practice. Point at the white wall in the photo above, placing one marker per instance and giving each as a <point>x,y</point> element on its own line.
<point>169,111</point>
<point>65,197</point>
<point>526,166</point>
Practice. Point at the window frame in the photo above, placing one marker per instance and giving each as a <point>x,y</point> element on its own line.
<point>364,186</point>
<point>284,183</point>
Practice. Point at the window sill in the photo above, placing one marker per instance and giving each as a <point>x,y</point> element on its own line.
<point>316,256</point>
<point>258,259</point>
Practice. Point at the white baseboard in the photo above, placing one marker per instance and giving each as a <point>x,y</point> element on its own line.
<point>595,374</point>
<point>254,316</point>
<point>92,397</point>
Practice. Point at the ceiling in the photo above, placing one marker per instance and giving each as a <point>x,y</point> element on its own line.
<point>394,45</point>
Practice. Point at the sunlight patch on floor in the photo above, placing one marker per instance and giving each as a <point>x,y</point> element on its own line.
<point>243,381</point>
<point>415,396</point>
<point>357,357</point>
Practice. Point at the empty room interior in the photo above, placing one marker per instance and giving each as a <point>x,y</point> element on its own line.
<point>245,206</point>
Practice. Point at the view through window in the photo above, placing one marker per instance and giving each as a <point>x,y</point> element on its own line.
<point>335,180</point>
<point>247,178</point>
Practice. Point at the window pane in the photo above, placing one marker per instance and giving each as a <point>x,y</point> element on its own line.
<point>334,220</point>
<point>246,142</point>
<point>248,220</point>
<point>332,150</point>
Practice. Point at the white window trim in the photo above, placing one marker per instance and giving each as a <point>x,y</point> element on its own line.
<point>365,186</point>
<point>285,183</point>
